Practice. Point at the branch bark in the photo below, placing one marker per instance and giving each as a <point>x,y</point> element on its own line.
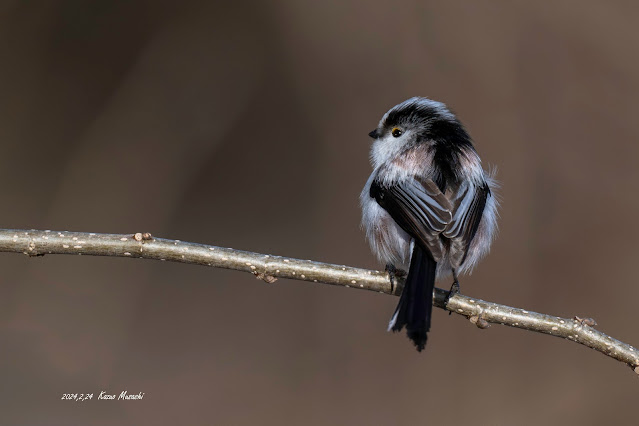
<point>269,268</point>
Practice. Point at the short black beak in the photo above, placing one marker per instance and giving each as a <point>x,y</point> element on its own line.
<point>374,134</point>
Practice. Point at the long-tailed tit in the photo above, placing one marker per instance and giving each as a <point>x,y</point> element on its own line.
<point>428,206</point>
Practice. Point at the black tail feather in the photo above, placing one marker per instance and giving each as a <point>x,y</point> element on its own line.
<point>416,302</point>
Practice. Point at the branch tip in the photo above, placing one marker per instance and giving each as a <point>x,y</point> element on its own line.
<point>269,279</point>
<point>142,236</point>
<point>590,322</point>
<point>479,321</point>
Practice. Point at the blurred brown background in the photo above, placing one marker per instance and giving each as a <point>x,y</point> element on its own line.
<point>245,125</point>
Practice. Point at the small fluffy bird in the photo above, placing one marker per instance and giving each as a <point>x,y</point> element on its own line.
<point>428,206</point>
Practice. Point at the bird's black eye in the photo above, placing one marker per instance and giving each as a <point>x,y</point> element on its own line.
<point>396,132</point>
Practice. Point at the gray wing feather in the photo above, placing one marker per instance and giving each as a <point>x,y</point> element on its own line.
<point>469,203</point>
<point>418,207</point>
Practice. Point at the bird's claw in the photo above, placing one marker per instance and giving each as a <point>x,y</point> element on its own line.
<point>393,274</point>
<point>454,289</point>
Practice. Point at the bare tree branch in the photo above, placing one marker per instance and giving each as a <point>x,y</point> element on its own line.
<point>269,268</point>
